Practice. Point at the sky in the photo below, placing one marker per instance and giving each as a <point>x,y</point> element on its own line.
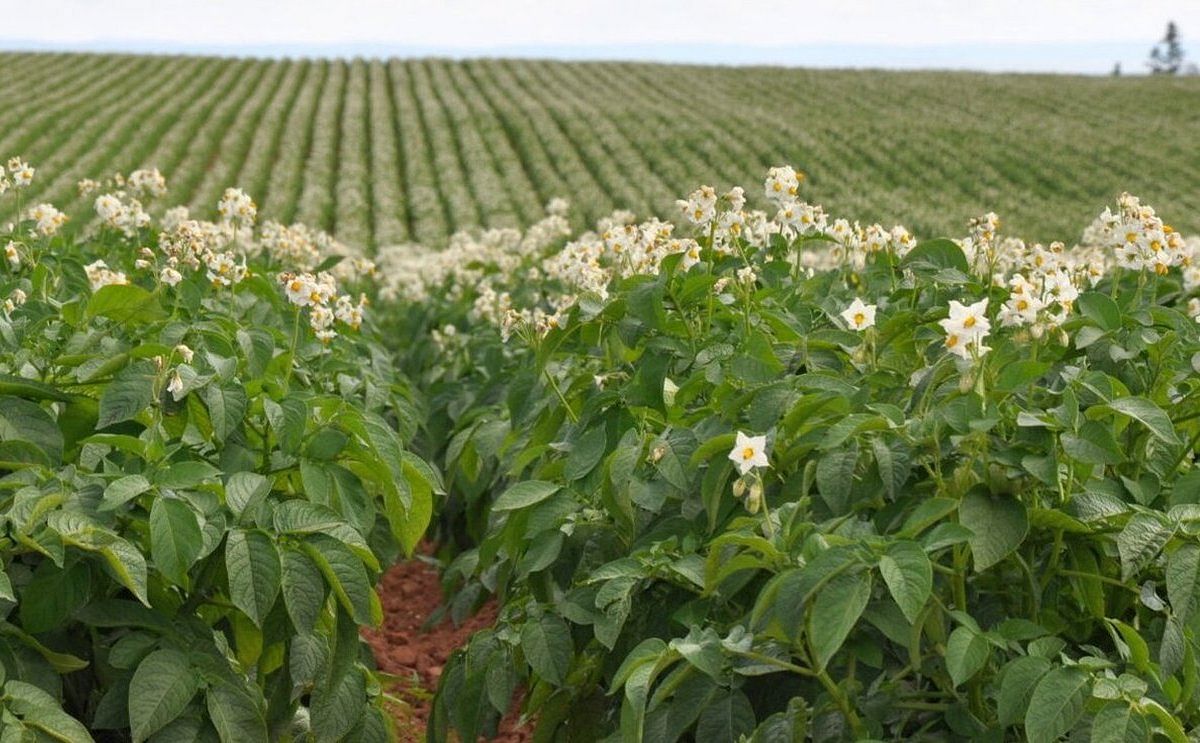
<point>1051,35</point>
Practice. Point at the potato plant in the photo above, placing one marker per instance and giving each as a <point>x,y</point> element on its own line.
<point>199,482</point>
<point>793,478</point>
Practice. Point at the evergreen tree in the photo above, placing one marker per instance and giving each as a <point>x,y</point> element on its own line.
<point>1166,58</point>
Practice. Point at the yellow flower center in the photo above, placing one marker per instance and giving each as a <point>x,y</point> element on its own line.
<point>951,341</point>
<point>859,318</point>
<point>748,453</point>
<point>969,322</point>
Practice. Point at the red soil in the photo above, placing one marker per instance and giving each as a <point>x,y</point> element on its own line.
<point>411,592</point>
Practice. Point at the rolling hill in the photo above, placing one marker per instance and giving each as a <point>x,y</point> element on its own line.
<point>393,151</point>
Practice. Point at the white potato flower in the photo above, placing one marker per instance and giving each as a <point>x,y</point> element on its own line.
<point>749,452</point>
<point>175,385</point>
<point>859,315</point>
<point>170,276</point>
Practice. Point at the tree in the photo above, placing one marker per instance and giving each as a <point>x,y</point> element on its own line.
<point>1116,70</point>
<point>1166,58</point>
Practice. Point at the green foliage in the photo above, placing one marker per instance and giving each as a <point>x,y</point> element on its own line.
<point>197,498</point>
<point>990,547</point>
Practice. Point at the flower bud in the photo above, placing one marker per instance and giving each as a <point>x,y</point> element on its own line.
<point>739,488</point>
<point>669,390</point>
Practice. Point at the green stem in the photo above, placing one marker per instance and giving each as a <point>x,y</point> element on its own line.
<point>554,385</point>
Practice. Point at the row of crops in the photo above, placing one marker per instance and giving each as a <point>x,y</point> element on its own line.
<point>389,152</point>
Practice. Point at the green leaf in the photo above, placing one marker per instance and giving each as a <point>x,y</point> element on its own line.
<point>1143,411</point>
<point>1100,309</point>
<point>409,524</point>
<point>1095,444</point>
<point>43,712</point>
<point>235,715</point>
<point>160,690</point>
<point>585,454</point>
<point>125,303</point>
<point>128,566</point>
<point>22,420</point>
<point>967,652</point>
<point>525,494</point>
<point>835,610</point>
<point>1018,375</point>
<point>835,477</point>
<point>303,589</point>
<point>1119,723</point>
<point>287,419</point>
<point>546,642</point>
<point>345,574</point>
<point>187,474</point>
<point>1140,541</point>
<point>175,539</point>
<point>245,489</point>
<point>937,254</point>
<point>850,426</point>
<point>909,577</point>
<point>226,409</point>
<point>1020,678</point>
<point>129,393</point>
<point>337,707</point>
<point>726,718</point>
<point>998,526</point>
<point>1056,704</point>
<point>122,490</point>
<point>1183,581</point>
<point>252,564</point>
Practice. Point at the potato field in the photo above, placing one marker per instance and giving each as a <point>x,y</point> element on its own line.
<point>687,404</point>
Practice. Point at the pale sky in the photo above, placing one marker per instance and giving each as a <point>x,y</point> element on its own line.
<point>473,26</point>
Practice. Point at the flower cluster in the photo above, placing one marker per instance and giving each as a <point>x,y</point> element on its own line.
<point>193,245</point>
<point>14,300</point>
<point>99,275</point>
<point>470,260</point>
<point>319,293</point>
<point>121,212</point>
<point>47,220</point>
<point>18,175</point>
<point>966,328</point>
<point>700,206</point>
<point>236,206</point>
<point>1141,240</point>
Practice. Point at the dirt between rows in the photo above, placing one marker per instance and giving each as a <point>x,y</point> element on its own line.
<point>405,647</point>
